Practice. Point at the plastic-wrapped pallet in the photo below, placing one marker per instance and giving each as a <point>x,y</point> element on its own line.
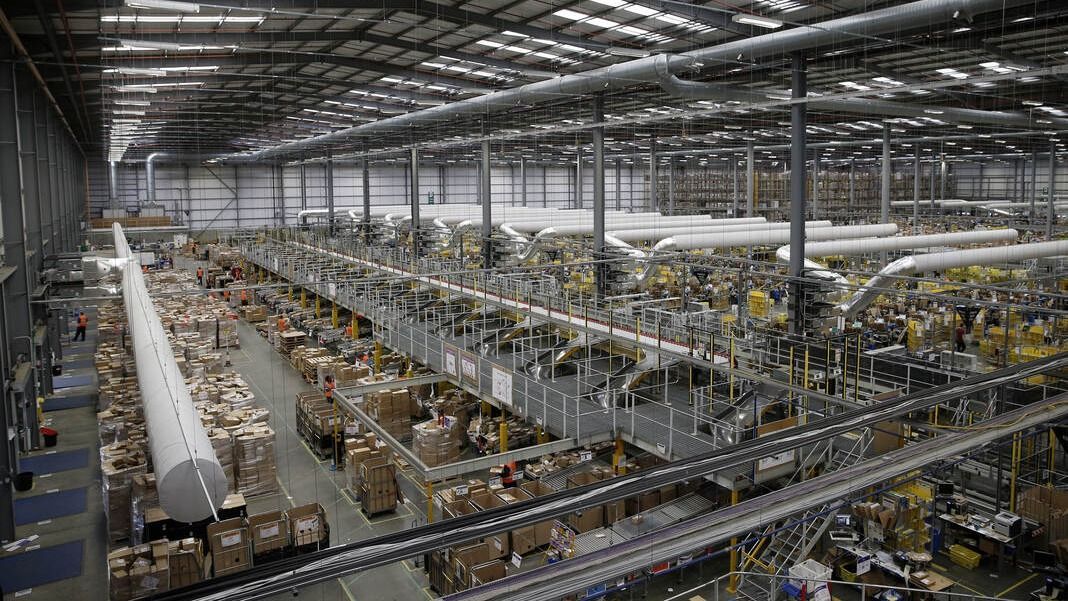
<point>118,476</point>
<point>437,443</point>
<point>143,496</point>
<point>254,464</point>
<point>139,572</point>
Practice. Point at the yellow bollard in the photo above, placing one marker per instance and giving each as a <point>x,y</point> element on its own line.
<point>318,307</point>
<point>333,315</point>
<point>303,298</point>
<point>429,502</point>
<point>355,326</point>
<point>378,357</point>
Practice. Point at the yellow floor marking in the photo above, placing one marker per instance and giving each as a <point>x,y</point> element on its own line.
<point>1023,580</point>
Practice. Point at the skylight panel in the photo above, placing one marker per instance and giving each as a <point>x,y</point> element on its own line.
<point>566,13</point>
<point>599,22</point>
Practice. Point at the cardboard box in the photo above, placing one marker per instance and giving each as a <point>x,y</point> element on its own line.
<point>187,562</point>
<point>269,532</point>
<point>307,525</point>
<point>542,530</point>
<point>229,543</point>
<point>497,544</point>
<point>487,572</point>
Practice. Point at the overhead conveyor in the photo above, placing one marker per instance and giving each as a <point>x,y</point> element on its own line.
<point>286,575</point>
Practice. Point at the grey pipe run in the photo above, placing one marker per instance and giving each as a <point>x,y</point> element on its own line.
<point>647,70</point>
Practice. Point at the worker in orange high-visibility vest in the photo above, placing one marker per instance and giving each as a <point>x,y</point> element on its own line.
<point>283,323</point>
<point>348,331</point>
<point>244,297</point>
<point>200,276</point>
<point>339,434</point>
<point>83,323</point>
<point>144,269</point>
<point>226,296</point>
<point>508,474</point>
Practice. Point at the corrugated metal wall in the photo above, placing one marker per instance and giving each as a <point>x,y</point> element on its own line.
<point>231,196</point>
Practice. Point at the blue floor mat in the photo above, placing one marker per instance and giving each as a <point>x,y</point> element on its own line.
<point>77,364</point>
<point>58,403</point>
<point>34,568</point>
<point>71,381</point>
<point>30,510</point>
<point>56,462</point>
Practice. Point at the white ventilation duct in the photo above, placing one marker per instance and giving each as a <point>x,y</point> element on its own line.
<point>661,223</point>
<point>659,233</point>
<point>189,478</point>
<point>874,245</point>
<point>947,260</point>
<point>766,237</point>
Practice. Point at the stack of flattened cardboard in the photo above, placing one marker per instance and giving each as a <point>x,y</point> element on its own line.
<point>254,462</point>
<point>138,572</point>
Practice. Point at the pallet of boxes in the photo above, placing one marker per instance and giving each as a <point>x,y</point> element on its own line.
<point>392,409</point>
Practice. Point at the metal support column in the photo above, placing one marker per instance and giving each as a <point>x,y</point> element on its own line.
<point>884,196</point>
<point>671,185</point>
<point>366,175</point>
<point>750,179</point>
<point>852,186</point>
<point>113,184</point>
<point>1034,184</point>
<point>798,117</point>
<point>734,188</point>
<point>653,203</point>
<point>303,189</point>
<point>330,194</point>
<point>619,184</point>
<point>815,184</point>
<point>917,174</point>
<point>413,166</point>
<point>523,180</point>
<point>487,207</point>
<point>1051,192</point>
<point>598,193</point>
<point>578,178</point>
<point>943,173</point>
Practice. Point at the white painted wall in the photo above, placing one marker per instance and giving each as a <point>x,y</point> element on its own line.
<point>229,196</point>
<point>998,180</point>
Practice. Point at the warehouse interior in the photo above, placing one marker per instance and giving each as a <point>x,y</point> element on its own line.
<point>680,300</point>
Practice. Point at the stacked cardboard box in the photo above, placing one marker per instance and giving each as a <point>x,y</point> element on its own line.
<point>143,497</point>
<point>378,486</point>
<point>186,559</point>
<point>223,444</point>
<point>1049,507</point>
<point>307,527</point>
<point>254,313</point>
<point>228,541</point>
<point>138,572</point>
<point>118,474</point>
<point>270,533</point>
<point>392,409</point>
<point>437,442</point>
<point>254,462</point>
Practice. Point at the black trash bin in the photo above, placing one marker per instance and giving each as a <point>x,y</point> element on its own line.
<point>23,481</point>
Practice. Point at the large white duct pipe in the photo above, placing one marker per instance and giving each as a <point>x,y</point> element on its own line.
<point>662,223</point>
<point>947,260</point>
<point>659,233</point>
<point>189,478</point>
<point>766,237</point>
<point>863,247</point>
<point>872,245</point>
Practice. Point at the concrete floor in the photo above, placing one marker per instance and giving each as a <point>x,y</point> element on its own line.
<point>303,478</point>
<point>77,430</point>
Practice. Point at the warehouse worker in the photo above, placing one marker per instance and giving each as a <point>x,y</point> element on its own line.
<point>244,297</point>
<point>226,296</point>
<point>960,339</point>
<point>508,474</point>
<point>348,331</point>
<point>339,435</point>
<point>283,323</point>
<point>200,276</point>
<point>83,322</point>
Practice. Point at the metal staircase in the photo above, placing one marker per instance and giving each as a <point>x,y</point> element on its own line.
<point>775,549</point>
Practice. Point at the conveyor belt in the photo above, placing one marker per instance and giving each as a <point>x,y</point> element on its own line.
<point>330,563</point>
<point>625,557</point>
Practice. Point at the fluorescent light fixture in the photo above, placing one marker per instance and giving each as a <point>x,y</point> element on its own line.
<point>151,45</point>
<point>756,21</point>
<point>136,71</point>
<point>630,52</point>
<point>136,88</point>
<point>181,7</point>
<point>131,102</point>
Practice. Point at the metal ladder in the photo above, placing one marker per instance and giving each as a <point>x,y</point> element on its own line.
<point>775,551</point>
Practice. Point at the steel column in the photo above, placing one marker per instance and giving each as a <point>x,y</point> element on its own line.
<point>815,184</point>
<point>1051,192</point>
<point>653,203</point>
<point>1034,184</point>
<point>523,180</point>
<point>598,192</point>
<point>578,178</point>
<point>798,117</point>
<point>750,179</point>
<point>413,166</point>
<point>884,196</point>
<point>330,217</point>
<point>852,186</point>
<point>487,207</point>
<point>918,173</point>
<point>619,184</point>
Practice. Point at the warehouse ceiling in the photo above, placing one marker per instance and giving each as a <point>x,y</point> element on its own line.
<point>207,79</point>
